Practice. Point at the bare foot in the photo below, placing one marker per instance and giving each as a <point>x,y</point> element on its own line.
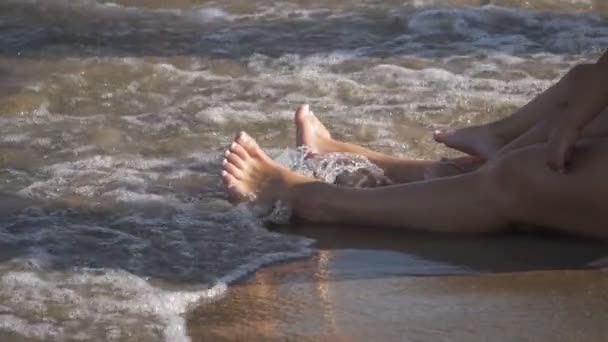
<point>311,132</point>
<point>249,174</point>
<point>477,141</point>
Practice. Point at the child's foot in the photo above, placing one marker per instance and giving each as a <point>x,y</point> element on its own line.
<point>477,141</point>
<point>251,175</point>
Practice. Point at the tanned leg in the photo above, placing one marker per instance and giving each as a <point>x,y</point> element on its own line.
<point>439,205</point>
<point>516,188</point>
<point>312,133</point>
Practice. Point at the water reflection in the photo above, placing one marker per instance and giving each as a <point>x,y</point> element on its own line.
<point>323,285</point>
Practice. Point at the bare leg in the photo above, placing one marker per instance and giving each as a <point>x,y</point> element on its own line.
<point>312,133</point>
<point>517,188</point>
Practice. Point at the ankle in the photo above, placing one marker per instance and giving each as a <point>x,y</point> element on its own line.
<point>327,145</point>
<point>311,209</point>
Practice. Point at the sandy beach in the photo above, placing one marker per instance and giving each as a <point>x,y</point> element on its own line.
<point>369,285</point>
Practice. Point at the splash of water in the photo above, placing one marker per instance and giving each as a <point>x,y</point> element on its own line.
<point>342,169</point>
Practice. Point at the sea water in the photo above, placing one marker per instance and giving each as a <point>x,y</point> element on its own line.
<point>114,117</point>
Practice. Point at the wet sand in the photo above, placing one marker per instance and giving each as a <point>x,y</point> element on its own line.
<point>377,285</point>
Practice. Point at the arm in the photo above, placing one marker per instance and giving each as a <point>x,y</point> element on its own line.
<point>588,97</point>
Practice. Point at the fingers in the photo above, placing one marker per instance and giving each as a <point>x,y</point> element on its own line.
<point>561,147</point>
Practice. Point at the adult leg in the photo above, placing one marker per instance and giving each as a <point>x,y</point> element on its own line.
<point>516,188</point>
<point>312,133</point>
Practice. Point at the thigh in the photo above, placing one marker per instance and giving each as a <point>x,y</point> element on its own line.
<point>598,127</point>
<point>575,202</point>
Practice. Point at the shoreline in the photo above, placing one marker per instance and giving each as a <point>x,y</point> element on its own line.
<point>392,286</point>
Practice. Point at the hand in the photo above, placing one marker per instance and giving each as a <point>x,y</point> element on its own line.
<point>560,146</point>
<point>587,98</point>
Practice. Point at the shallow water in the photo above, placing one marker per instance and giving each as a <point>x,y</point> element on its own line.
<point>113,116</point>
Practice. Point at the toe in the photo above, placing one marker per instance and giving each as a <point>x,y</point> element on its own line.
<point>237,149</point>
<point>232,169</point>
<point>249,144</point>
<point>440,134</point>
<point>233,158</point>
<point>302,112</point>
<point>227,178</point>
<point>232,184</point>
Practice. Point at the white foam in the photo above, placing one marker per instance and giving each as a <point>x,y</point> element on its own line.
<point>327,168</point>
<point>207,15</point>
<point>127,196</point>
<point>134,172</point>
<point>92,302</point>
<point>509,29</point>
<point>599,263</point>
<point>15,138</point>
<point>185,76</point>
<point>107,303</point>
<point>155,308</point>
<point>223,113</point>
<point>110,10</point>
<point>40,331</point>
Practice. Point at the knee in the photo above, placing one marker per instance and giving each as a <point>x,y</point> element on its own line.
<point>580,74</point>
<point>603,60</point>
<point>572,82</point>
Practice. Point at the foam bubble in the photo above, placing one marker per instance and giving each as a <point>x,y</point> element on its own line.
<point>334,168</point>
<point>208,15</point>
<point>114,293</point>
<point>155,308</point>
<point>15,138</point>
<point>106,303</point>
<point>41,331</point>
<point>508,29</point>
